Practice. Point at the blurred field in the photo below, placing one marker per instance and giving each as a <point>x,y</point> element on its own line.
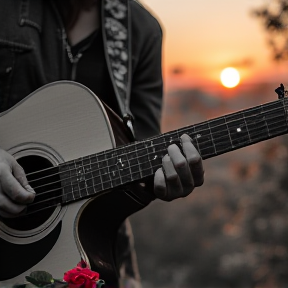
<point>231,232</point>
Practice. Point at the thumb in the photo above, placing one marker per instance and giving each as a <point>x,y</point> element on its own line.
<point>20,175</point>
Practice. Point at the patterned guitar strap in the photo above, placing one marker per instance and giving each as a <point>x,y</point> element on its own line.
<point>116,29</point>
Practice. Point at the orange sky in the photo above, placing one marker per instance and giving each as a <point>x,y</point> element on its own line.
<point>204,36</point>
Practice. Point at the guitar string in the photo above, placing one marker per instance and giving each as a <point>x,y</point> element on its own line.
<point>79,188</point>
<point>107,167</point>
<point>171,134</point>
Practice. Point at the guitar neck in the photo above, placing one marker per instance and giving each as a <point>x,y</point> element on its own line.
<point>133,162</point>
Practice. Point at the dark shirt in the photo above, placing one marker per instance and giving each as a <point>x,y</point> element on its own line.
<point>88,67</point>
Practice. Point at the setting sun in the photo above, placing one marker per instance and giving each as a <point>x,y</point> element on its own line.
<point>230,77</point>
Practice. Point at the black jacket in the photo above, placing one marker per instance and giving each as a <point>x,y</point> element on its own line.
<point>32,54</point>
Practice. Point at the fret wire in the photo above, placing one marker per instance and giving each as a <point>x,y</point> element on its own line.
<point>104,174</point>
<point>112,171</point>
<point>265,120</point>
<point>65,180</point>
<point>74,176</point>
<point>109,171</point>
<point>79,177</point>
<point>245,122</point>
<point>77,195</point>
<point>142,154</point>
<point>71,181</point>
<point>196,139</point>
<point>212,137</point>
<point>128,163</point>
<point>82,179</point>
<point>100,174</point>
<point>140,170</point>
<point>88,175</point>
<point>228,131</point>
<point>119,170</point>
<point>85,173</point>
<point>92,178</point>
<point>79,171</point>
<point>147,151</point>
<point>220,135</point>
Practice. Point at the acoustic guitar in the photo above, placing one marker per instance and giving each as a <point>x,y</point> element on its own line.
<point>78,158</point>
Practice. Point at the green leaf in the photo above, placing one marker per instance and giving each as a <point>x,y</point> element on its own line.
<point>51,285</point>
<point>19,286</point>
<point>100,283</point>
<point>60,284</point>
<point>30,285</point>
<point>40,278</point>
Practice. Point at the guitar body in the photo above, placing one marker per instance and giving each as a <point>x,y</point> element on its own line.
<point>58,123</point>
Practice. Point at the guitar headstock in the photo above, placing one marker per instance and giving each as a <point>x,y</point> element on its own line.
<point>282,91</point>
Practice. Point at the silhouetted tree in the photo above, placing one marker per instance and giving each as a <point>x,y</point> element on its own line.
<point>274,17</point>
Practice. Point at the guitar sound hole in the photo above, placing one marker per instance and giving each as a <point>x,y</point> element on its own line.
<point>46,183</point>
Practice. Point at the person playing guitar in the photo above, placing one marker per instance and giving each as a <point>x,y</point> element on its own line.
<point>114,49</point>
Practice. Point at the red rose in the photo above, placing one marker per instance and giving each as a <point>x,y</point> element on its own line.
<point>79,277</point>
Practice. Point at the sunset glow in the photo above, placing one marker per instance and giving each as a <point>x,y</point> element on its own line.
<point>230,77</point>
<point>202,38</point>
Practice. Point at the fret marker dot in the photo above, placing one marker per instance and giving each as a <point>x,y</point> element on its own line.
<point>239,129</point>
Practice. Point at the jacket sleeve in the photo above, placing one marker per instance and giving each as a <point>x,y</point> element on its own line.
<point>147,84</point>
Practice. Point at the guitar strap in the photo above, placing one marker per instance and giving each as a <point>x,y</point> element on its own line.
<point>116,30</point>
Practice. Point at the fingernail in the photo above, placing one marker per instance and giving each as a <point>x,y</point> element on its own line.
<point>166,158</point>
<point>30,189</point>
<point>183,136</point>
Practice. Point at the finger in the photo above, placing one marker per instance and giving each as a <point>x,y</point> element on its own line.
<point>182,168</point>
<point>14,190</point>
<point>20,175</point>
<point>173,183</point>
<point>160,189</point>
<point>194,160</point>
<point>9,209</point>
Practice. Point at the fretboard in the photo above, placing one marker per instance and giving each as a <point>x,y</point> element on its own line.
<point>115,167</point>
